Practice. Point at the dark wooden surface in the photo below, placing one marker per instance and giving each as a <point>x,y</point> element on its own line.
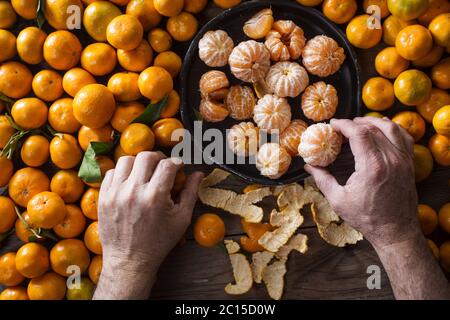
<point>324,272</point>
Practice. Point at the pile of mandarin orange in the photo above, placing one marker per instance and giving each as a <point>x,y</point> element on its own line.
<point>62,89</point>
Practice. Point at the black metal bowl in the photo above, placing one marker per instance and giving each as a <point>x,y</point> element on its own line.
<point>346,80</point>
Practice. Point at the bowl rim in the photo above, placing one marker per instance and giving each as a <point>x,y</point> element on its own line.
<point>232,12</point>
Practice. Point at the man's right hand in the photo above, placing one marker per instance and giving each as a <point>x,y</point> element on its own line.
<point>379,199</point>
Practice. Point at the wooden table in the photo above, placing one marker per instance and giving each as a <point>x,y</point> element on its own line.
<point>324,272</point>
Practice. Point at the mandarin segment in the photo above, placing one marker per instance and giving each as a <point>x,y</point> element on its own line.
<point>285,41</point>
<point>291,136</point>
<point>213,111</point>
<point>258,26</point>
<point>212,82</point>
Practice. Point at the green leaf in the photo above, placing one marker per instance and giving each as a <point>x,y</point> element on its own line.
<point>6,99</point>
<point>33,239</point>
<point>152,112</point>
<point>53,133</point>
<point>40,16</point>
<point>13,124</point>
<point>48,234</point>
<point>13,144</point>
<point>90,170</point>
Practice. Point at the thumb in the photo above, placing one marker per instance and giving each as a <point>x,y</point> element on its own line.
<point>326,182</point>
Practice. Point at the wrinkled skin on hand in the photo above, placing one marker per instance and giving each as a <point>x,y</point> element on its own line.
<point>139,223</point>
<point>380,200</point>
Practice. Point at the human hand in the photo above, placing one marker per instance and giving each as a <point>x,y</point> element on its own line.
<point>379,199</point>
<point>139,223</point>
